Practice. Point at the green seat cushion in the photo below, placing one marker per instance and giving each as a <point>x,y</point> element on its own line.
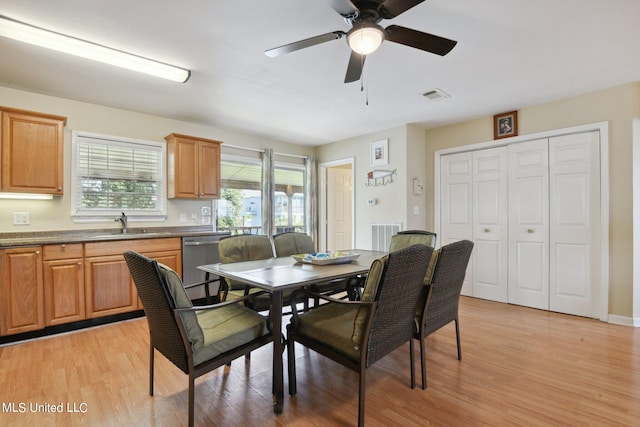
<point>402,241</point>
<point>182,300</point>
<point>292,244</point>
<point>244,248</point>
<point>368,294</point>
<point>226,328</point>
<point>331,324</point>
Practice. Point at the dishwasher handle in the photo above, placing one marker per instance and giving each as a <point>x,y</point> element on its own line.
<point>200,243</point>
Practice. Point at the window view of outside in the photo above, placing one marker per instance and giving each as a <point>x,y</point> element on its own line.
<point>289,200</point>
<point>239,209</point>
<point>240,204</point>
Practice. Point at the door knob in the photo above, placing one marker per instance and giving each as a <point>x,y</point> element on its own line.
<point>531,230</point>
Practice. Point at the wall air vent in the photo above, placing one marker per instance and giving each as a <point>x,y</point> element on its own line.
<point>436,94</point>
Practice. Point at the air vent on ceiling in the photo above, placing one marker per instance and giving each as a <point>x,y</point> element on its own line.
<point>436,94</point>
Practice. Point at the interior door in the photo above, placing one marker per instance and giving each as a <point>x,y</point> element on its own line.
<point>574,239</point>
<point>339,209</point>
<point>456,223</point>
<point>528,195</point>
<point>490,224</point>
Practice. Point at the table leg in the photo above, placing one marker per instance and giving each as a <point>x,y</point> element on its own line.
<point>278,348</point>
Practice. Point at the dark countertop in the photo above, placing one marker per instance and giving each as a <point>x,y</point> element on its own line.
<point>18,239</point>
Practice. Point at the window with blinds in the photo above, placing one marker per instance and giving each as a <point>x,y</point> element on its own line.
<point>114,175</point>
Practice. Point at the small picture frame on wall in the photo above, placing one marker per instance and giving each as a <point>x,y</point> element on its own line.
<point>505,125</point>
<point>379,152</point>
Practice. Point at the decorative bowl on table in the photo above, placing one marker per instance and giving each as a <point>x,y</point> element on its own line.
<point>325,258</point>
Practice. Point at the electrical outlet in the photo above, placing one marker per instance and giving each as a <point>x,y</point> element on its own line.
<point>21,218</point>
<point>205,210</point>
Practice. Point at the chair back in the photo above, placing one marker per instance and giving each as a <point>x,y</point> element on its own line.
<point>398,292</point>
<point>293,243</point>
<point>404,239</point>
<point>441,306</point>
<point>244,247</point>
<point>158,307</point>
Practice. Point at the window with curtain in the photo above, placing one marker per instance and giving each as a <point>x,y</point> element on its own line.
<point>113,175</point>
<point>289,197</point>
<point>239,209</point>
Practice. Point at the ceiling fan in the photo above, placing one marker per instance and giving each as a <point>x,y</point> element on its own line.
<point>365,35</point>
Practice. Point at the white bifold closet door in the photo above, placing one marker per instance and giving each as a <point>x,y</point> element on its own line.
<point>533,211</point>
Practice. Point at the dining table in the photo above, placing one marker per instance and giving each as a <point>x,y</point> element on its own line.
<point>280,274</point>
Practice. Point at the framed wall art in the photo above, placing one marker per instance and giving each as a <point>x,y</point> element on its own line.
<point>505,125</point>
<point>379,152</point>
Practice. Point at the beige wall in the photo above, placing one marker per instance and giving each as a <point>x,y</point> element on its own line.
<point>56,214</point>
<point>618,106</point>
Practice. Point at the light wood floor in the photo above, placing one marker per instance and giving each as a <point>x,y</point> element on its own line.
<point>520,367</point>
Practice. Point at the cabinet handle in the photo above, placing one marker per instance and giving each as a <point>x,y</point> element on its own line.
<point>531,230</point>
<point>59,188</point>
<point>63,246</point>
<point>79,264</point>
<point>37,252</point>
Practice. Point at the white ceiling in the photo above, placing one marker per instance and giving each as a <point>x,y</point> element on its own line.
<point>511,54</point>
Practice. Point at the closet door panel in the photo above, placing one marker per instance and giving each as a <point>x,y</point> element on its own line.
<point>529,224</point>
<point>490,224</point>
<point>574,181</point>
<point>456,205</point>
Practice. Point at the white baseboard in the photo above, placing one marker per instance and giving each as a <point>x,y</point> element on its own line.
<point>623,320</point>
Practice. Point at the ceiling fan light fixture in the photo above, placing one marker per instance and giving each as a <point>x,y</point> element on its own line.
<point>365,38</point>
<point>62,43</point>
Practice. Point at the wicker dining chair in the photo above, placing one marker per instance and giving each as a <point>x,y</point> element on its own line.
<point>439,302</point>
<point>404,239</point>
<point>195,339</point>
<point>245,247</point>
<point>293,243</point>
<point>356,334</point>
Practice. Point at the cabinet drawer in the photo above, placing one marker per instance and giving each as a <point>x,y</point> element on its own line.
<point>140,245</point>
<point>62,251</point>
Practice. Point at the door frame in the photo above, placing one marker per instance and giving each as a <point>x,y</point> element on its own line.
<point>603,129</point>
<point>322,200</point>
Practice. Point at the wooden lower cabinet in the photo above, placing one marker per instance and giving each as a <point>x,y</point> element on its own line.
<point>109,288</point>
<point>63,271</point>
<point>22,298</point>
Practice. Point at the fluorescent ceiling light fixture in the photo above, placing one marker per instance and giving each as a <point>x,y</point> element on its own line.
<point>365,38</point>
<point>26,196</point>
<point>44,38</point>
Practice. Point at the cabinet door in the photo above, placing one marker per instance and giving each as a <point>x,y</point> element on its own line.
<point>63,291</point>
<point>186,173</point>
<point>529,224</point>
<point>32,153</point>
<point>22,294</point>
<point>108,286</point>
<point>209,170</point>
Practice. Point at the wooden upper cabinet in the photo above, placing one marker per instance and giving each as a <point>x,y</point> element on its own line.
<point>32,152</point>
<point>193,167</point>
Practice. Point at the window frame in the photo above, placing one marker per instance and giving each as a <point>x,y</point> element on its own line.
<point>105,215</point>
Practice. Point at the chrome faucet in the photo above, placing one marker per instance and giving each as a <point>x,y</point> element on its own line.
<point>123,220</point>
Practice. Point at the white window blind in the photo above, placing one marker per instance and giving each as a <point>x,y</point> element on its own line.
<point>114,175</point>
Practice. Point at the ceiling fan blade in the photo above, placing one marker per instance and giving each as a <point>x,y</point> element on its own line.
<point>419,40</point>
<point>312,41</point>
<point>392,8</point>
<point>344,8</point>
<point>354,69</point>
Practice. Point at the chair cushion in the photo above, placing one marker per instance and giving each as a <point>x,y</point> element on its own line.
<point>332,324</point>
<point>368,294</point>
<point>428,277</point>
<point>182,300</point>
<point>226,328</point>
<point>292,244</point>
<point>401,241</point>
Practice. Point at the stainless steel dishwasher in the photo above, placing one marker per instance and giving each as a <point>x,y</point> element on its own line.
<point>199,250</point>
